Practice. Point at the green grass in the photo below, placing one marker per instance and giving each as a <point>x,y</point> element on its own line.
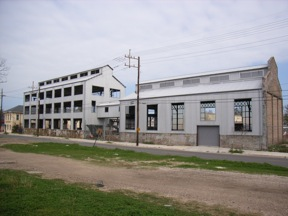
<point>24,194</point>
<point>118,157</point>
<point>278,148</point>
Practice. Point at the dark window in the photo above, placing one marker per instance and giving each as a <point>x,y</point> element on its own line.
<point>115,93</point>
<point>78,90</point>
<point>67,91</point>
<point>93,105</point>
<point>73,76</point>
<point>66,124</point>
<point>41,84</point>
<point>41,95</point>
<point>64,78</point>
<point>27,110</point>
<point>56,81</point>
<point>49,94</point>
<point>57,108</point>
<point>152,115</point>
<point>67,107</point>
<point>208,111</point>
<point>41,109</point>
<point>57,123</point>
<point>27,98</point>
<point>57,93</point>
<point>177,116</point>
<point>84,74</point>
<point>130,117</point>
<point>78,106</point>
<point>243,115</point>
<point>34,97</point>
<point>48,82</point>
<point>94,72</point>
<point>48,108</point>
<point>26,123</point>
<point>97,90</point>
<point>106,109</point>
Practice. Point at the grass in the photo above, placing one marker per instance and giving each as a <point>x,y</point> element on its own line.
<point>118,157</point>
<point>24,194</point>
<point>278,148</point>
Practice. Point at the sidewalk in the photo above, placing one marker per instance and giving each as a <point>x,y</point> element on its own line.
<point>204,149</point>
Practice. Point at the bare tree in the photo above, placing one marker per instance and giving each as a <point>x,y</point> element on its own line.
<point>3,70</point>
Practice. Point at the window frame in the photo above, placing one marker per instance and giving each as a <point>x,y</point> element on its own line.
<point>243,110</point>
<point>205,108</point>
<point>152,118</point>
<point>177,117</point>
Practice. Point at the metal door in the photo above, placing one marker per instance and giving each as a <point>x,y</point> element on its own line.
<point>208,136</point>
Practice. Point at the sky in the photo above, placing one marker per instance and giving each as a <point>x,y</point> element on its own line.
<point>45,39</point>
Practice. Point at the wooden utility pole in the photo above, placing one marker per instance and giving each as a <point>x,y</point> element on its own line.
<point>138,89</point>
<point>1,114</point>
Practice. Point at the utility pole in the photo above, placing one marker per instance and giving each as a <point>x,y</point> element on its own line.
<point>38,106</point>
<point>138,79</point>
<point>1,114</point>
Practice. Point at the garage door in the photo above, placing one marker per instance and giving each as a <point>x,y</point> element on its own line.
<point>208,136</point>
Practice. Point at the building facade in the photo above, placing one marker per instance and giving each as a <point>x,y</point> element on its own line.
<point>238,108</point>
<point>69,103</point>
<point>13,117</point>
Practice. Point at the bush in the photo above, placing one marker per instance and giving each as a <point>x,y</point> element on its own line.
<point>278,148</point>
<point>17,129</point>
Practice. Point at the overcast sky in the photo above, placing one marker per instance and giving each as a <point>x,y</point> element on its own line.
<point>44,39</point>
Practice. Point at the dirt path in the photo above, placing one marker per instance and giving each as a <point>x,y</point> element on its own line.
<point>267,195</point>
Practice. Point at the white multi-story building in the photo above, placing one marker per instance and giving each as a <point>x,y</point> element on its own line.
<point>70,102</point>
<point>239,108</point>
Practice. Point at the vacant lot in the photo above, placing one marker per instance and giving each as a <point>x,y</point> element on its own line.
<point>261,194</point>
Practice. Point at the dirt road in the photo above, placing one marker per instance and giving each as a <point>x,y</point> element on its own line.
<point>267,195</point>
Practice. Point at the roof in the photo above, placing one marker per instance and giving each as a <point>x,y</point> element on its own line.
<point>198,89</point>
<point>16,109</point>
<point>233,70</point>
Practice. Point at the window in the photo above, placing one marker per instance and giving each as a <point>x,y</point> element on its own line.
<point>78,106</point>
<point>115,93</point>
<point>57,123</point>
<point>57,93</point>
<point>94,72</point>
<point>106,109</point>
<point>97,90</point>
<point>219,78</point>
<point>191,81</point>
<point>152,114</point>
<point>48,94</point>
<point>64,78</point>
<point>67,91</point>
<point>56,81</point>
<point>27,110</point>
<point>243,115</point>
<point>17,117</point>
<point>73,76</point>
<point>48,108</point>
<point>67,107</point>
<point>48,82</point>
<point>93,105</point>
<point>27,98</point>
<point>33,110</point>
<point>84,74</point>
<point>166,84</point>
<point>78,90</point>
<point>41,95</point>
<point>130,117</point>
<point>208,111</point>
<point>177,116</point>
<point>57,108</point>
